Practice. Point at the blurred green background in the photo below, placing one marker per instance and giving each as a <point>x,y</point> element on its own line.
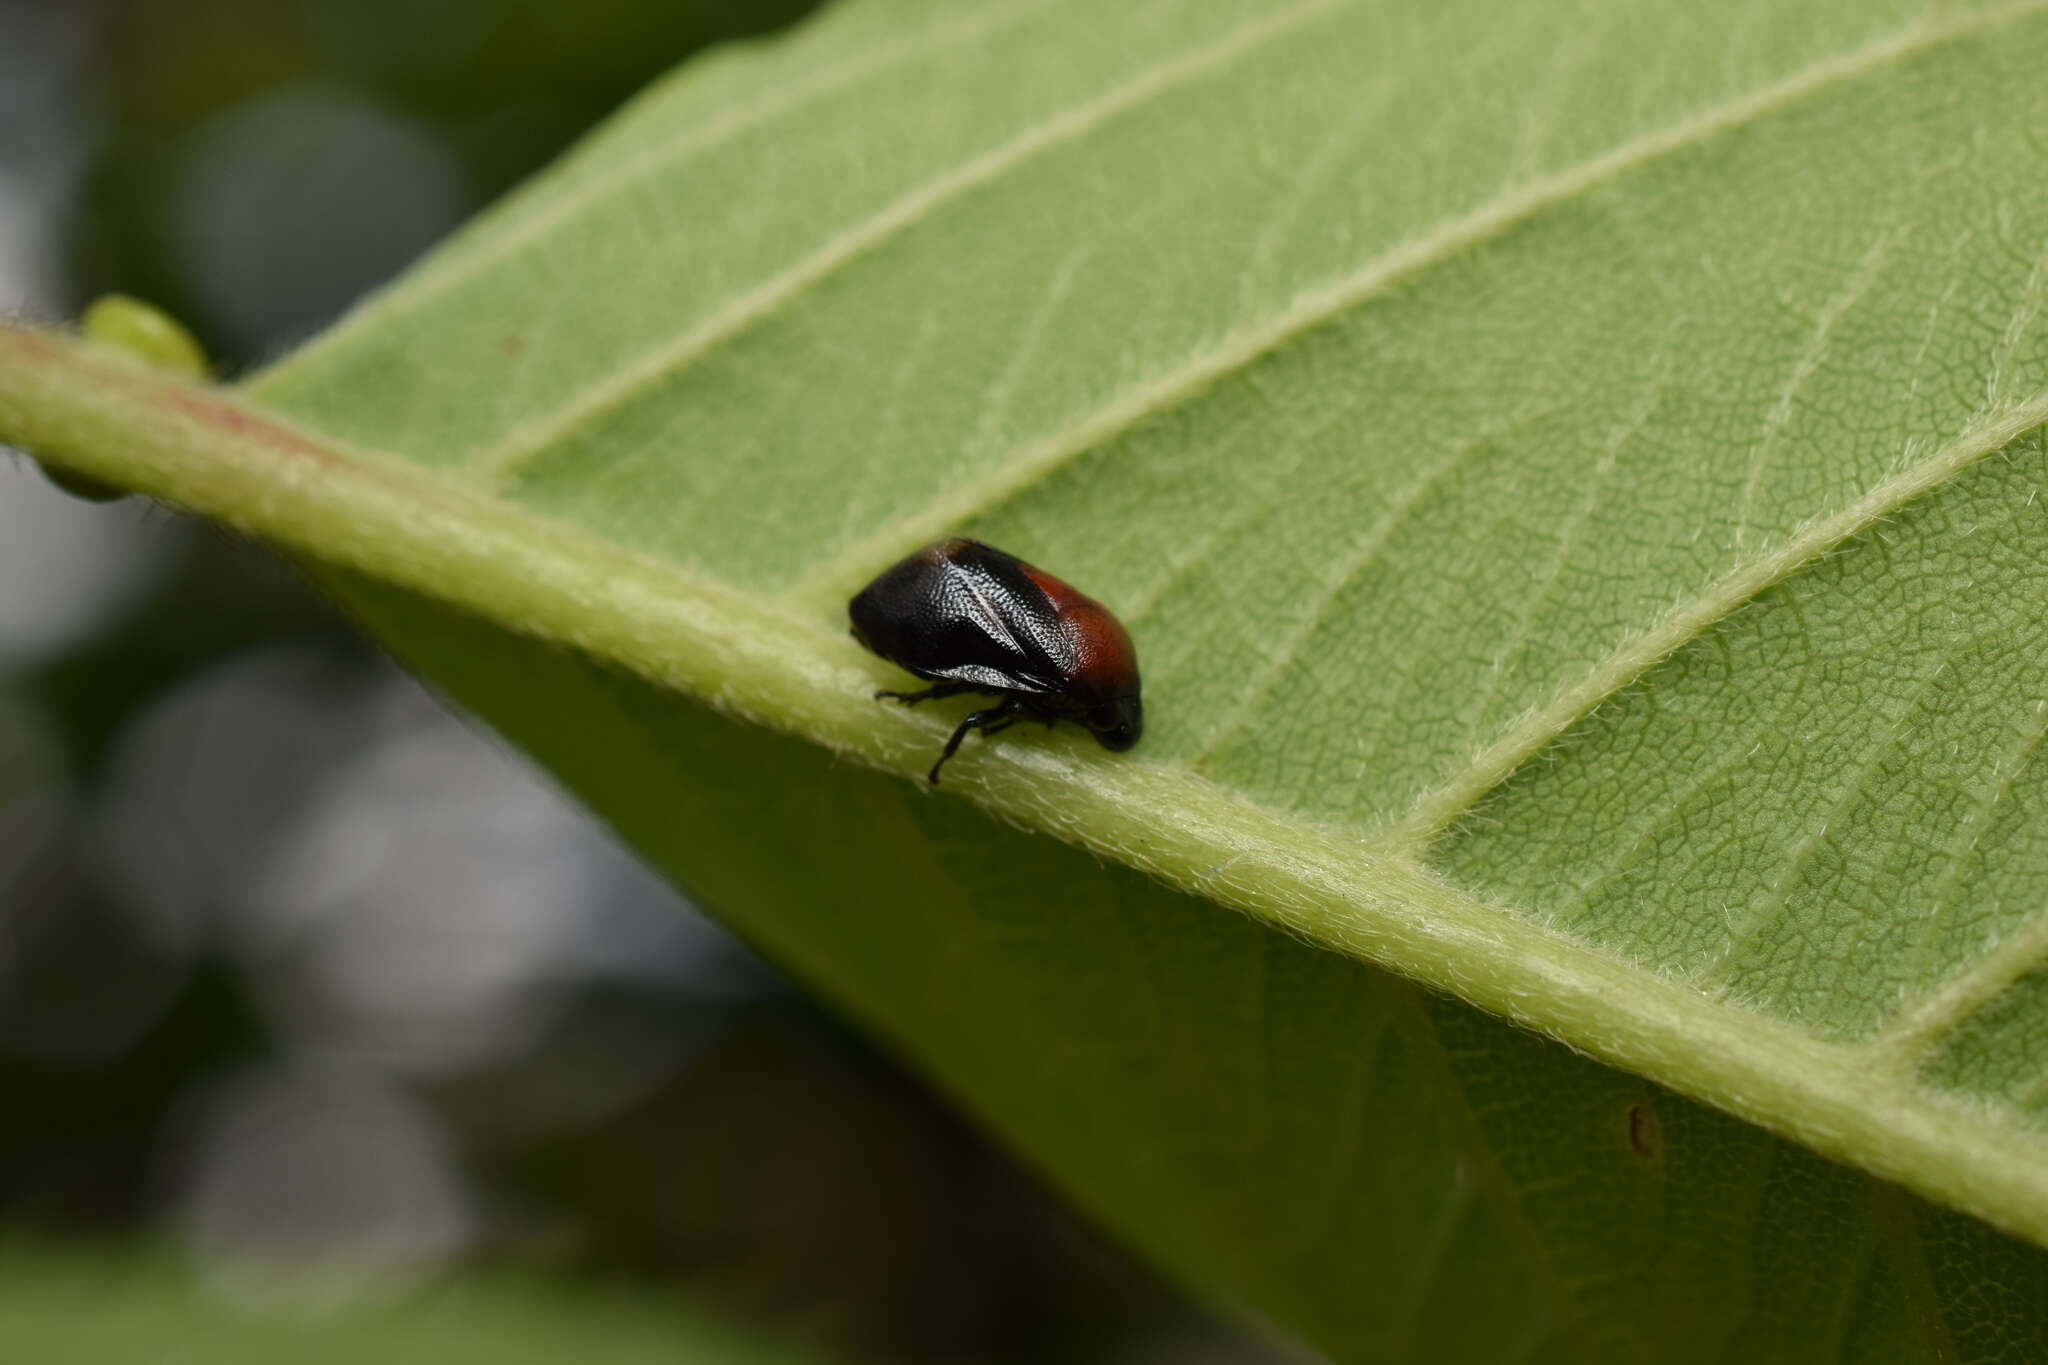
<point>310,992</point>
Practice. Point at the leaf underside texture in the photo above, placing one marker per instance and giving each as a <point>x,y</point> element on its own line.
<point>1573,475</point>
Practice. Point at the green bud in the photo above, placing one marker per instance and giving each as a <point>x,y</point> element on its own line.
<point>145,332</point>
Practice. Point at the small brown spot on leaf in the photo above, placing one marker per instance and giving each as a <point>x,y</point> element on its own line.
<point>512,343</point>
<point>1645,1133</point>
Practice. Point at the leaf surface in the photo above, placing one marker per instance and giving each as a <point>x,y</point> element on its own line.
<point>1572,476</point>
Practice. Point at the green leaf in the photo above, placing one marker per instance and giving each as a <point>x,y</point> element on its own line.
<point>69,1307</point>
<point>1572,476</point>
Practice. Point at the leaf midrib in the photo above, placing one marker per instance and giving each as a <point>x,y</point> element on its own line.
<point>752,656</point>
<point>1377,903</point>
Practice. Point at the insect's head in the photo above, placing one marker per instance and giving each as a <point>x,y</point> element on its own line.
<point>1118,722</point>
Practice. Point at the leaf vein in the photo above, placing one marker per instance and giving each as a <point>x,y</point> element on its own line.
<point>1369,548</point>
<point>1779,893</point>
<point>466,256</point>
<point>1803,369</point>
<point>1314,307</point>
<point>2004,773</point>
<point>529,441</point>
<point>1567,541</point>
<point>743,653</point>
<point>1437,809</point>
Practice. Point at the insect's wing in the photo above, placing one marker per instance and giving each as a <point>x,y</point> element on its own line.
<point>961,611</point>
<point>995,627</point>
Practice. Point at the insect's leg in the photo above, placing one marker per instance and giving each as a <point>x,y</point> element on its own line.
<point>945,689</point>
<point>994,714</point>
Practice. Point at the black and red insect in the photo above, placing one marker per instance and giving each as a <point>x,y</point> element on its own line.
<point>967,617</point>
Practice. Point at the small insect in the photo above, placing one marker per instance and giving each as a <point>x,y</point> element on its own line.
<point>969,618</point>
